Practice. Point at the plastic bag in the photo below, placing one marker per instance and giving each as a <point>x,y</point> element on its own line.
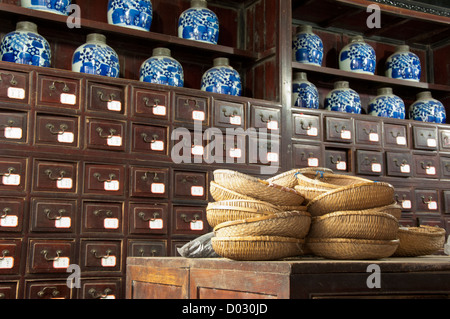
<point>199,248</point>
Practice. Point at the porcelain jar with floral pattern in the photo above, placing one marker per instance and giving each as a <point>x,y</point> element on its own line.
<point>199,23</point>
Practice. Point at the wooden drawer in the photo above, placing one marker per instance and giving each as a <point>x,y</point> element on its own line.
<point>189,146</point>
<point>229,114</point>
<point>104,179</point>
<point>426,166</point>
<point>425,138</point>
<point>229,148</point>
<point>150,139</point>
<point>190,109</point>
<point>405,197</point>
<point>151,248</point>
<point>265,118</point>
<point>189,220</point>
<point>307,155</point>
<point>337,160</point>
<point>149,182</point>
<point>306,126</point>
<point>13,127</point>
<point>444,140</point>
<point>427,201</point>
<point>151,104</point>
<point>58,92</point>
<point>106,135</point>
<point>101,289</point>
<point>106,98</point>
<point>264,151</point>
<point>446,195</point>
<point>445,167</point>
<point>60,177</point>
<point>12,174</point>
<point>53,216</point>
<point>399,164</point>
<point>9,290</point>
<point>14,87</point>
<point>190,185</point>
<point>339,130</point>
<point>368,133</point>
<point>11,215</point>
<point>47,289</point>
<point>149,218</point>
<point>50,256</point>
<point>101,256</point>
<point>10,256</point>
<point>102,217</point>
<point>395,136</point>
<point>369,163</point>
<point>56,130</point>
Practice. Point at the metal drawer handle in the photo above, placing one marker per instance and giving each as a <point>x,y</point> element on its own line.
<point>62,127</point>
<point>52,86</point>
<point>367,161</point>
<point>398,200</point>
<point>395,136</point>
<point>98,175</point>
<point>101,95</point>
<point>147,100</point>
<point>333,161</point>
<point>147,140</point>
<point>12,81</point>
<point>190,179</point>
<point>97,212</point>
<point>10,171</point>
<point>368,132</point>
<point>342,128</point>
<point>58,217</point>
<point>187,103</point>
<point>302,124</point>
<point>184,218</point>
<point>142,251</point>
<point>430,199</point>
<point>99,130</point>
<point>99,295</point>
<point>10,123</point>
<point>55,292</point>
<point>155,176</point>
<point>94,252</point>
<point>45,253</point>
<point>404,162</point>
<point>49,173</point>
<point>142,216</point>
<point>5,252</point>
<point>235,113</point>
<point>261,115</point>
<point>429,164</point>
<point>5,213</point>
<point>304,158</point>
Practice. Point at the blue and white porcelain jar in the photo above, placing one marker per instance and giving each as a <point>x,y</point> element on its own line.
<point>307,47</point>
<point>427,109</point>
<point>53,6</point>
<point>222,78</point>
<point>96,57</point>
<point>25,46</point>
<point>161,68</point>
<point>304,93</point>
<point>403,64</point>
<point>357,56</point>
<point>134,14</point>
<point>343,99</point>
<point>387,104</point>
<point>199,23</point>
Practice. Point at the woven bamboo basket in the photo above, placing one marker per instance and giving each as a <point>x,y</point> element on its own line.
<point>355,224</point>
<point>349,248</point>
<point>228,210</point>
<point>393,209</point>
<point>293,224</point>
<point>352,197</point>
<point>219,193</point>
<point>309,193</point>
<point>326,180</point>
<point>256,188</point>
<point>291,208</point>
<point>257,247</point>
<point>419,241</point>
<point>286,179</point>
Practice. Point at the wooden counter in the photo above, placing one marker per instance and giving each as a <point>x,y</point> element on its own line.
<point>308,277</point>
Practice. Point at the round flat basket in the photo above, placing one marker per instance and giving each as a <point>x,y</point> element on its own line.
<point>257,247</point>
<point>291,208</point>
<point>219,193</point>
<point>256,188</point>
<point>352,197</point>
<point>363,224</point>
<point>393,209</point>
<point>293,224</point>
<point>419,241</point>
<point>309,193</point>
<point>346,248</point>
<point>327,180</point>
<point>228,210</point>
<point>286,179</point>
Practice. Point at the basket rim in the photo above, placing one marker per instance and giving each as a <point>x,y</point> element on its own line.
<point>425,230</point>
<point>260,239</point>
<point>221,203</point>
<point>318,182</point>
<point>217,185</point>
<point>354,213</point>
<point>352,241</point>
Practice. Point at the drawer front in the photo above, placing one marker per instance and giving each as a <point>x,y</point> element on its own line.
<point>395,136</point>
<point>425,138</point>
<point>426,166</point>
<point>190,185</point>
<point>55,177</point>
<point>50,256</point>
<point>405,198</point>
<point>339,130</point>
<point>106,98</point>
<point>151,139</point>
<point>190,109</point>
<point>12,174</point>
<point>189,220</point>
<point>368,133</point>
<point>445,167</point>
<point>9,290</point>
<point>149,218</point>
<point>307,156</point>
<point>51,215</point>
<point>47,290</point>
<point>153,248</point>
<point>104,179</point>
<point>14,87</point>
<point>11,215</point>
<point>427,201</point>
<point>369,163</point>
<point>101,255</point>
<point>265,118</point>
<point>446,195</point>
<point>399,164</point>
<point>189,147</point>
<point>150,182</point>
<point>106,135</point>
<point>262,151</point>
<point>57,130</point>
<point>229,114</point>
<point>102,217</point>
<point>228,148</point>
<point>101,289</point>
<point>13,127</point>
<point>58,92</point>
<point>444,140</point>
<point>337,160</point>
<point>10,252</point>
<point>151,104</point>
<point>307,126</point>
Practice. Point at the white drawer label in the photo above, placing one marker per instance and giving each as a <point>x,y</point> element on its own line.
<point>156,223</point>
<point>341,166</point>
<point>111,223</point>
<point>7,263</point>
<point>109,261</point>
<point>114,106</point>
<point>112,185</point>
<point>272,157</point>
<point>197,150</point>
<point>9,221</point>
<point>66,137</point>
<point>159,110</point>
<point>432,205</point>
<point>401,140</point>
<point>61,262</point>
<point>63,222</point>
<point>346,134</point>
<point>198,115</point>
<point>16,93</point>
<point>313,162</point>
<point>376,167</point>
<point>64,183</point>
<point>70,99</point>
<point>235,152</point>
<point>235,120</point>
<point>373,137</point>
<point>406,204</point>
<point>405,168</point>
<point>157,145</point>
<point>11,180</point>
<point>13,133</point>
<point>312,131</point>
<point>197,191</point>
<point>158,188</point>
<point>272,125</point>
<point>431,142</point>
<point>197,225</point>
<point>431,170</point>
<point>114,140</point>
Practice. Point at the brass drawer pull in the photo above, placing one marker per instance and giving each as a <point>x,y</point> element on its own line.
<point>94,252</point>
<point>100,295</point>
<point>302,124</point>
<point>187,103</point>
<point>142,216</point>
<point>10,171</point>
<point>52,86</point>
<point>341,130</point>
<point>5,213</point>
<point>55,292</point>
<point>147,140</point>
<point>235,113</point>
<point>155,176</point>
<point>430,199</point>
<point>5,252</point>
<point>99,130</point>
<point>97,212</point>
<point>12,81</point>
<point>101,95</point>
<point>335,161</point>
<point>142,251</point>
<point>49,173</point>
<point>45,253</point>
<point>58,217</point>
<point>190,179</point>
<point>98,175</point>
<point>429,164</point>
<point>404,162</point>
<point>62,127</point>
<point>261,115</point>
<point>147,100</point>
<point>184,218</point>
